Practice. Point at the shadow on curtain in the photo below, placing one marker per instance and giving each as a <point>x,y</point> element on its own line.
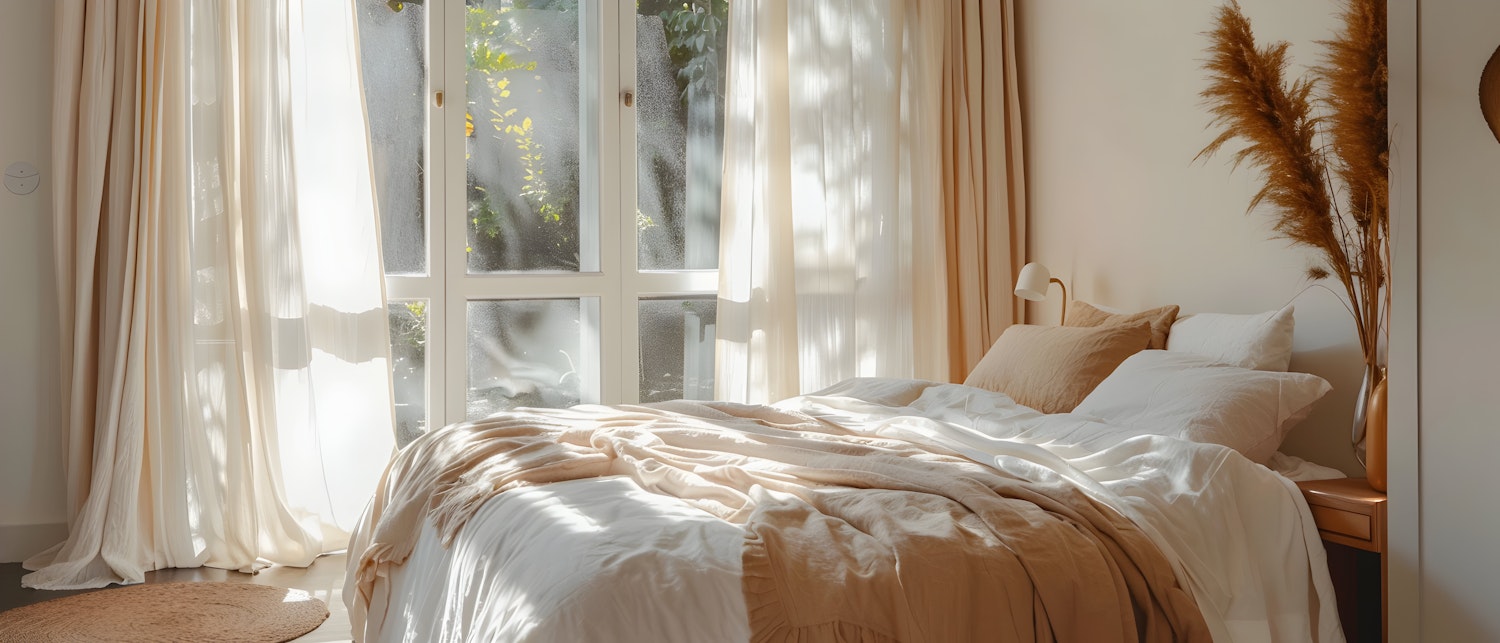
<point>226,359</point>
<point>873,209</point>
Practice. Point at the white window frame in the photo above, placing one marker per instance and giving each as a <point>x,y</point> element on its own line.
<point>610,296</point>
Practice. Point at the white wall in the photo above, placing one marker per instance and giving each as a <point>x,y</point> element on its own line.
<point>1118,207</point>
<point>1459,206</point>
<point>31,496</point>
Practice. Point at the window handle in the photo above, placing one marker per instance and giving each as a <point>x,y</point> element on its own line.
<point>439,98</point>
<point>628,97</point>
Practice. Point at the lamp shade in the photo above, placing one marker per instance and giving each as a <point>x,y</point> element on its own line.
<point>1033,282</point>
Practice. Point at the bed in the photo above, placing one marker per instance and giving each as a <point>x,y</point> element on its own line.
<point>1113,479</point>
<point>722,522</point>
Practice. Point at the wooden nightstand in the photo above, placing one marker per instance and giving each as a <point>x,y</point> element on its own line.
<point>1351,519</point>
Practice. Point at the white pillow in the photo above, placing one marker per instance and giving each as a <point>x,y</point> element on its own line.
<point>1262,342</point>
<point>1195,398</point>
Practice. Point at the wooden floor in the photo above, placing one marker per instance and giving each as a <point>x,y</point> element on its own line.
<point>324,580</point>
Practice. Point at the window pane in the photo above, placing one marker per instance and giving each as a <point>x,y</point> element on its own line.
<point>677,349</point>
<point>523,138</point>
<point>679,131</point>
<point>393,60</point>
<point>408,320</point>
<point>525,352</point>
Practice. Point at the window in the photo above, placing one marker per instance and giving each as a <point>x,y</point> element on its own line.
<point>551,229</point>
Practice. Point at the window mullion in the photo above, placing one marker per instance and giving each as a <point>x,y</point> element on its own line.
<point>606,35</point>
<point>449,171</point>
<point>628,371</point>
<point>684,282</point>
<point>432,286</point>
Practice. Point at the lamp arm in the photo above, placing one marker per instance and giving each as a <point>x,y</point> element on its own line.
<point>1064,287</point>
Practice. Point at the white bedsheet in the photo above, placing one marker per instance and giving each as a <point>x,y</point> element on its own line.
<point>534,559</point>
<point>602,559</point>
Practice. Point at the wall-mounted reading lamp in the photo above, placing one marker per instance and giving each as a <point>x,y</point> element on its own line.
<point>1033,283</point>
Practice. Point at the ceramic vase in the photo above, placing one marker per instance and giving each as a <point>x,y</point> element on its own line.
<point>1375,434</point>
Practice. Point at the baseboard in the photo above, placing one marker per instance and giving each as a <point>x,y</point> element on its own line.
<point>19,542</point>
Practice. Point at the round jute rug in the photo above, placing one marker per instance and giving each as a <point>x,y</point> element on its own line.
<point>196,612</point>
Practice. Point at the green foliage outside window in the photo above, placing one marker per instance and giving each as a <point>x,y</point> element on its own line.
<point>497,52</point>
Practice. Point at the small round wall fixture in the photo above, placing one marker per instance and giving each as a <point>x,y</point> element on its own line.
<point>22,177</point>
<point>1489,93</point>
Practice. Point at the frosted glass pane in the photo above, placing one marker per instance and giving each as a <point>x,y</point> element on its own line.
<point>408,321</point>
<point>522,128</point>
<point>524,352</point>
<point>677,349</point>
<point>393,61</point>
<point>679,132</point>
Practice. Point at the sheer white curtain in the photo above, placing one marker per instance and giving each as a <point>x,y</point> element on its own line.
<point>832,236</point>
<point>226,361</point>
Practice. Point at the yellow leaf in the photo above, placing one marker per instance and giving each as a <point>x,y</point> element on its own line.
<point>526,124</point>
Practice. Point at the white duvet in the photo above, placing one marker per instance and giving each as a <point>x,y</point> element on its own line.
<point>604,560</point>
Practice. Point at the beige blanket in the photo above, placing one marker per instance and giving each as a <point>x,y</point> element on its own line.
<point>848,537</point>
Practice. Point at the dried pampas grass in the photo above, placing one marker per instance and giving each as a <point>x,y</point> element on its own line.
<point>1326,178</point>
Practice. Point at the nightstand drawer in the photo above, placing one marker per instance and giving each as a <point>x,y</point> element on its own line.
<point>1342,523</point>
<point>1348,512</point>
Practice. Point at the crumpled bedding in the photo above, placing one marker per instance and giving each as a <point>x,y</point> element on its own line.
<point>683,497</point>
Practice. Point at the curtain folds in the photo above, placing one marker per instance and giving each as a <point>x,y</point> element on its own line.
<point>226,360</point>
<point>873,203</point>
<point>831,250</point>
<point>984,187</point>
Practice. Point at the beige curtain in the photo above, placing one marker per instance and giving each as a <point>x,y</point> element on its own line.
<point>92,260</point>
<point>831,252</point>
<point>984,190</point>
<point>225,359</point>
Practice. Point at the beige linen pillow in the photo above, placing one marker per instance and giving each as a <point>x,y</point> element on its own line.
<point>1052,368</point>
<point>1083,314</point>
